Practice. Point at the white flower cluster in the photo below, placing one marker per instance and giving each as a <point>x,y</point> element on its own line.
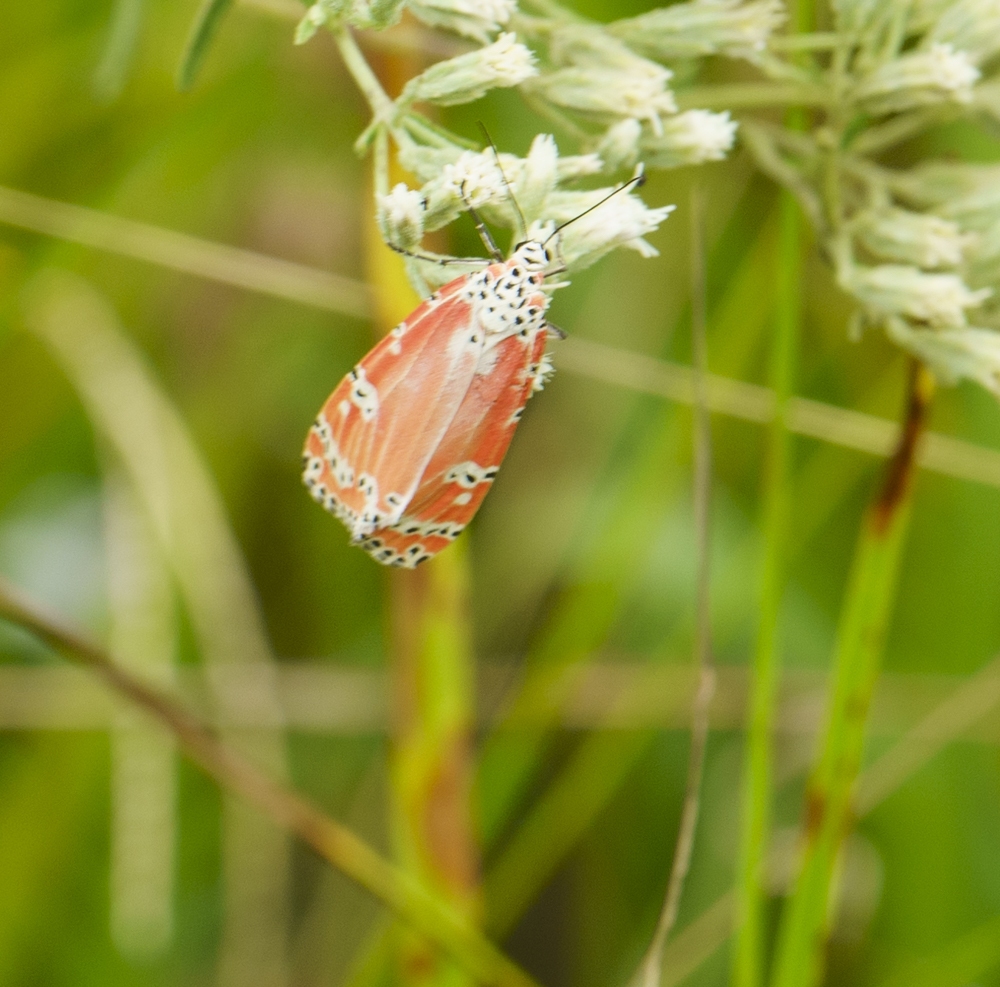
<point>609,78</point>
<point>962,231</point>
<point>922,239</point>
<point>936,300</point>
<point>915,278</point>
<point>604,80</point>
<point>609,84</point>
<point>508,189</point>
<point>918,249</point>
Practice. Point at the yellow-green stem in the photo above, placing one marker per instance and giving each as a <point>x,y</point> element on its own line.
<point>431,763</point>
<point>433,680</point>
<point>865,616</point>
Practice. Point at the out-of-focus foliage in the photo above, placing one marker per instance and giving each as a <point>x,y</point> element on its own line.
<point>582,555</point>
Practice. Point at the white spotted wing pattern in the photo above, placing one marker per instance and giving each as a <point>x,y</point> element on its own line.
<point>407,446</point>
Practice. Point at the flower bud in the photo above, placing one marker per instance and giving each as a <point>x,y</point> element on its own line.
<point>476,19</point>
<point>702,27</point>
<point>472,179</point>
<point>919,78</point>
<point>468,77</point>
<point>691,138</point>
<point>619,147</point>
<point>602,78</point>
<point>621,221</point>
<point>400,216</point>
<point>939,300</point>
<point>953,354</point>
<point>915,238</point>
<point>538,176</point>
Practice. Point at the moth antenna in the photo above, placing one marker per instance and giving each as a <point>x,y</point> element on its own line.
<point>638,180</point>
<point>523,232</point>
<point>481,227</point>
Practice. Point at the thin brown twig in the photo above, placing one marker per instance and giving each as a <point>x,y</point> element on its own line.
<point>651,966</point>
<point>333,842</point>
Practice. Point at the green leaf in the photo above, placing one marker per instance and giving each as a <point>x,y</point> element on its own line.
<point>206,23</point>
<point>119,48</point>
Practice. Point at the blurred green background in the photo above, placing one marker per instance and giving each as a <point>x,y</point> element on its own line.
<point>120,864</point>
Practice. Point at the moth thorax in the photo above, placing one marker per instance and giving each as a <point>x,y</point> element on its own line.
<point>507,299</point>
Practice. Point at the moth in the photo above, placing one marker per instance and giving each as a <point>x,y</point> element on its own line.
<point>408,444</point>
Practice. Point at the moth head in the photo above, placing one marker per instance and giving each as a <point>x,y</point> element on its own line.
<point>533,255</point>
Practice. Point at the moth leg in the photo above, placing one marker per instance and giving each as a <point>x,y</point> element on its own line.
<point>434,258</point>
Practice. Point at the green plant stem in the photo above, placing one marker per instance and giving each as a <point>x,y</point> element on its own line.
<point>864,621</point>
<point>382,107</point>
<point>749,954</point>
<point>332,841</point>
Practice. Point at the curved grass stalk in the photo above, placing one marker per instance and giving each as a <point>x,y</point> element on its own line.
<point>119,48</point>
<point>206,23</point>
<point>144,818</point>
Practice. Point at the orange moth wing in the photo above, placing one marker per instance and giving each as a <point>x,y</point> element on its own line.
<point>462,470</point>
